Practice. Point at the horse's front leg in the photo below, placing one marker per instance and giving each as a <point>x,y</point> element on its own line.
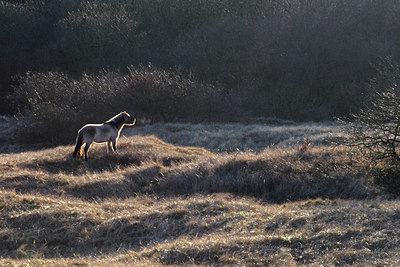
<point>109,147</point>
<point>114,144</point>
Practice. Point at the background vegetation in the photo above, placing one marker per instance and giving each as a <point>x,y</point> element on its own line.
<point>301,60</point>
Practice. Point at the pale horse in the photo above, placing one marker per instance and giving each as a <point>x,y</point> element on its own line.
<point>103,132</point>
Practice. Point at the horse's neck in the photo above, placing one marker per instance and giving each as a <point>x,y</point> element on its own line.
<point>116,122</point>
<point>116,126</point>
<point>120,128</point>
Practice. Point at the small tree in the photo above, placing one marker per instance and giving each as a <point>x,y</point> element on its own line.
<point>376,128</point>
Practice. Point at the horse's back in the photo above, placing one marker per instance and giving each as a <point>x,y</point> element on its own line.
<point>91,125</point>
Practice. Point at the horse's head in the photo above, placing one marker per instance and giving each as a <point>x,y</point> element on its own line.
<point>128,119</point>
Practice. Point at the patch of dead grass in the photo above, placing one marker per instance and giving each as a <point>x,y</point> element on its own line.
<point>200,230</point>
<point>155,203</point>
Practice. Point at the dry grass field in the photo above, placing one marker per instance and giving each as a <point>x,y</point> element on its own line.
<point>206,194</point>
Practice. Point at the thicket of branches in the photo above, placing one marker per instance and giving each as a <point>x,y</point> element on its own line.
<point>376,128</point>
<point>296,59</point>
<point>59,104</point>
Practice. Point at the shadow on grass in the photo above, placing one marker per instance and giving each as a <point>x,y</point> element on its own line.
<point>33,184</point>
<point>241,178</point>
<point>97,164</point>
<point>293,177</point>
<point>303,249</point>
<point>263,179</point>
<point>139,181</point>
<point>62,234</point>
<point>69,234</point>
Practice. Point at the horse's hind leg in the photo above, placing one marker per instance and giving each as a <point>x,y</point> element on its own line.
<point>78,146</point>
<point>87,146</point>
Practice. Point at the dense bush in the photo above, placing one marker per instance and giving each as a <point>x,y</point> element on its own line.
<point>303,60</point>
<point>99,34</point>
<point>170,96</point>
<point>27,34</point>
<point>60,104</point>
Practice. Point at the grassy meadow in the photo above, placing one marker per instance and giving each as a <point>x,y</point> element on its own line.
<point>206,178</point>
<point>198,194</point>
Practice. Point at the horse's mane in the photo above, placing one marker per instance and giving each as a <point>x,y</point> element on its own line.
<point>117,120</point>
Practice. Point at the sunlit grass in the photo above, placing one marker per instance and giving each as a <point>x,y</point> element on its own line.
<point>159,203</point>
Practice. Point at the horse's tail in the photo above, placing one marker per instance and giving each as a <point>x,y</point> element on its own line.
<point>79,143</point>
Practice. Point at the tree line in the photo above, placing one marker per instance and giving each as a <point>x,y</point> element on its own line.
<point>292,59</point>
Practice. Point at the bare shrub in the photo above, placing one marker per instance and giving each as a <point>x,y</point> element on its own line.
<point>170,95</point>
<point>58,105</point>
<point>376,130</point>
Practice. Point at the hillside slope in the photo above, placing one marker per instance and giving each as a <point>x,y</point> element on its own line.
<point>159,203</point>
